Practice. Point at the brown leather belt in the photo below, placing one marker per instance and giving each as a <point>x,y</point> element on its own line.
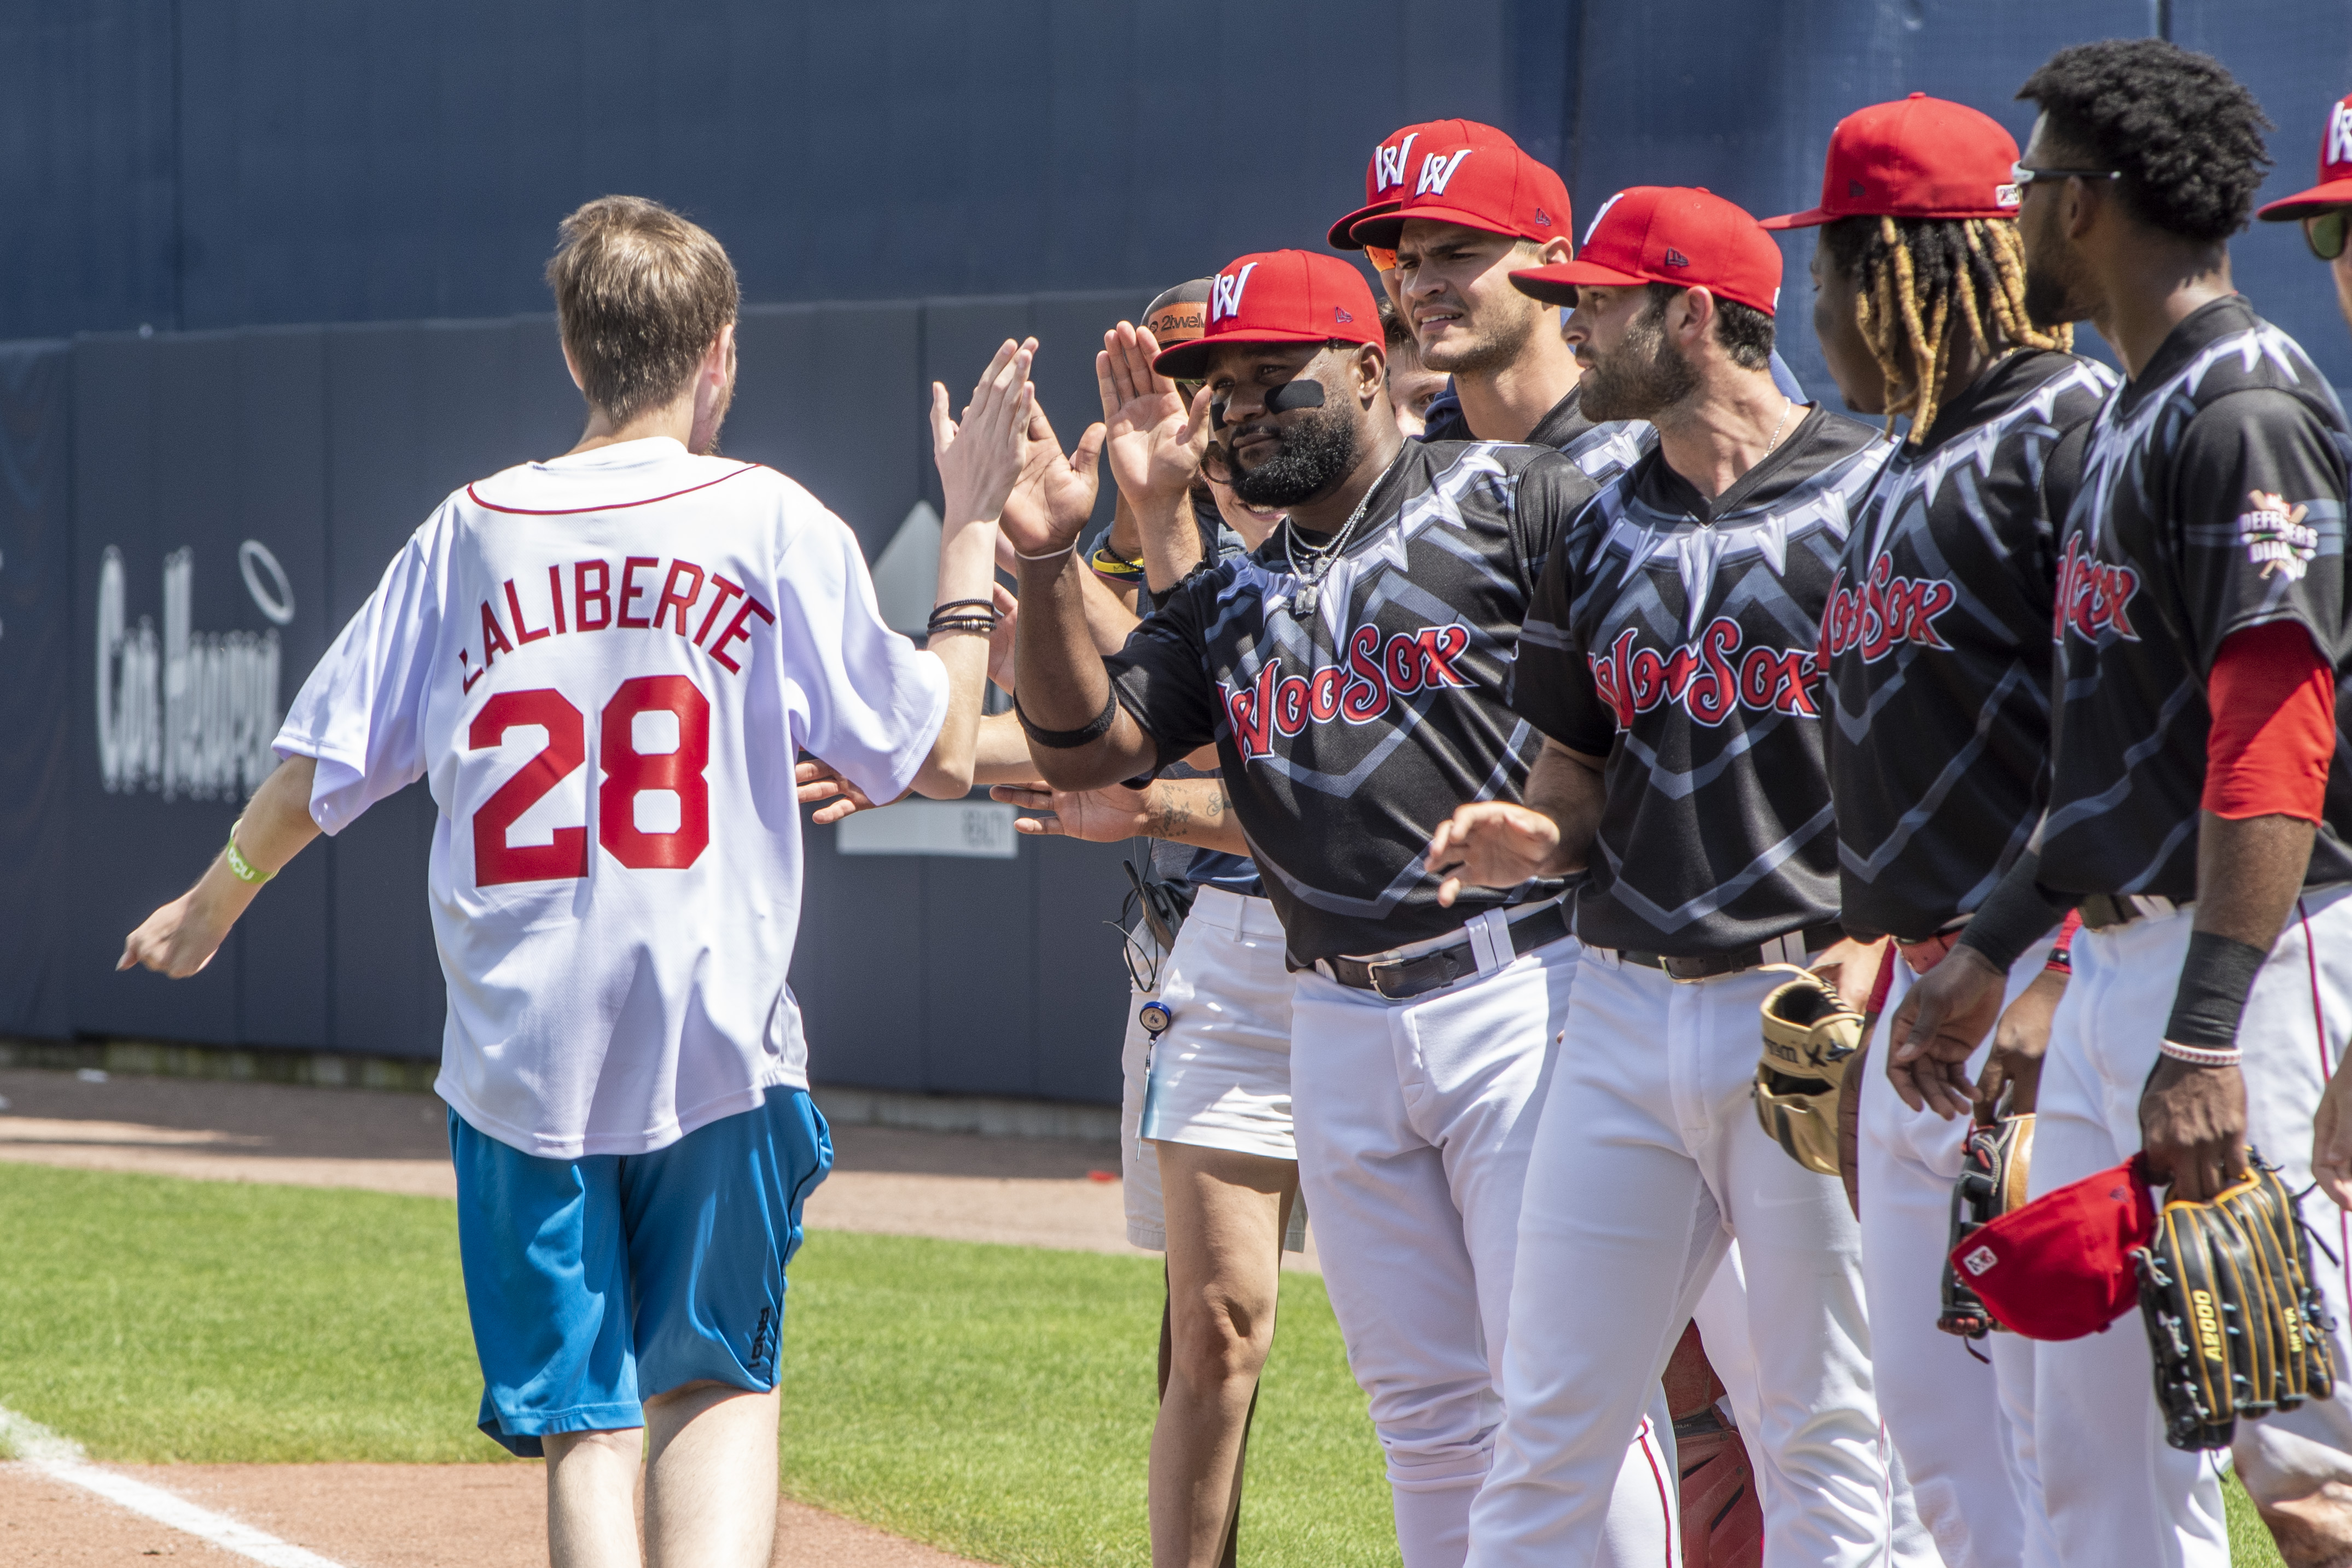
<point>1398,978</point>
<point>1710,966</point>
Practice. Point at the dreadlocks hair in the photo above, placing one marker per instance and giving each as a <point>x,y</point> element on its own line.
<point>1919,285</point>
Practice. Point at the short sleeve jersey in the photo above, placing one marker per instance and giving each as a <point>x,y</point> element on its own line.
<point>1935,645</point>
<point>1348,732</point>
<point>604,666</point>
<point>2212,500</point>
<point>1675,639</point>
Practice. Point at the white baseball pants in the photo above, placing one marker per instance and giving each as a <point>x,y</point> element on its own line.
<point>1649,1159</point>
<point>1964,1429</point>
<point>2117,1495</point>
<point>1414,1119</point>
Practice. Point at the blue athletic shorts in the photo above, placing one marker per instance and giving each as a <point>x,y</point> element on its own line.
<point>594,1284</point>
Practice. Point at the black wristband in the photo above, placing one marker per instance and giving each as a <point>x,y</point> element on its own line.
<point>2214,979</point>
<point>2015,915</point>
<point>1068,740</point>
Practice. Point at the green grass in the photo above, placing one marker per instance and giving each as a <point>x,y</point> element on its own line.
<point>2251,1545</point>
<point>993,1400</point>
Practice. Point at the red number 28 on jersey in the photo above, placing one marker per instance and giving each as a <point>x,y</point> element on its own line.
<point>628,773</point>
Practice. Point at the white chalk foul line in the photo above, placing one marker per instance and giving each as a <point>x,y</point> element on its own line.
<point>61,1456</point>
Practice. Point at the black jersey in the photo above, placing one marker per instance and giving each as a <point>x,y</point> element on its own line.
<point>1676,639</point>
<point>1603,451</point>
<point>1345,736</point>
<point>2212,500</point>
<point>1936,642</point>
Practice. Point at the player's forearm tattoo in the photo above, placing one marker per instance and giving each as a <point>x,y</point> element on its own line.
<point>1173,812</point>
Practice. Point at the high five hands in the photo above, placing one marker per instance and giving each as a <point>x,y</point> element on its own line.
<point>1155,443</point>
<point>979,457</point>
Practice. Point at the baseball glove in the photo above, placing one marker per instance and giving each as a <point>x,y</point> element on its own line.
<point>1810,1035</point>
<point>1993,1166</point>
<point>2235,1327</point>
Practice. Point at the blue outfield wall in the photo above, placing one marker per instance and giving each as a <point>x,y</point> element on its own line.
<point>285,192</point>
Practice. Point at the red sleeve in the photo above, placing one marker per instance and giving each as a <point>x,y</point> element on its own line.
<point>2274,702</point>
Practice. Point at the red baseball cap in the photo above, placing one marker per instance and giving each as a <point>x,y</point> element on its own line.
<point>2061,1265</point>
<point>1918,157</point>
<point>1278,296</point>
<point>1392,167</point>
<point>1481,182</point>
<point>1667,234</point>
<point>2335,187</point>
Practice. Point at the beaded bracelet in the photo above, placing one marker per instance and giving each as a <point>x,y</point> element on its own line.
<point>2202,1056</point>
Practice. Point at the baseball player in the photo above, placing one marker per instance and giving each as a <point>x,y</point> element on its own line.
<point>1668,660</point>
<point>1936,647</point>
<point>2193,817</point>
<point>1351,673</point>
<point>2326,210</point>
<point>1456,235</point>
<point>602,664</point>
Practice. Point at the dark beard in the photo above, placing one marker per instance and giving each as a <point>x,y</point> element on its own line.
<point>1642,377</point>
<point>1313,455</point>
<point>2047,304</point>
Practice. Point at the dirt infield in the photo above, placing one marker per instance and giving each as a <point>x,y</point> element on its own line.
<point>366,1516</point>
<point>1054,1193</point>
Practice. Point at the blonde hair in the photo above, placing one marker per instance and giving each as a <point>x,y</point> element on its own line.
<point>640,295</point>
<point>1919,283</point>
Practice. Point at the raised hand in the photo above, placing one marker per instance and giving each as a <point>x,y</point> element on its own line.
<point>1097,816</point>
<point>1154,442</point>
<point>1940,1023</point>
<point>1055,497</point>
<point>979,457</point>
<point>1489,843</point>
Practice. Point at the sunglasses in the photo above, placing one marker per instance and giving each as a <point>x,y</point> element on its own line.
<point>2324,233</point>
<point>2020,176</point>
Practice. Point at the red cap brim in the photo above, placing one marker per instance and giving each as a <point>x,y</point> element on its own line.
<point>1810,219</point>
<point>1384,229</point>
<point>1556,285</point>
<point>2304,204</point>
<point>1190,361</point>
<point>1342,236</point>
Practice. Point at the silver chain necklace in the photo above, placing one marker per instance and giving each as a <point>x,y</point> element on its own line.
<point>1320,558</point>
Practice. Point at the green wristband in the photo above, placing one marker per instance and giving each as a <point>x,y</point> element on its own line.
<point>239,867</point>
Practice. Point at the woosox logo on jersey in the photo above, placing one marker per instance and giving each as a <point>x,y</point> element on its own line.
<point>1874,616</point>
<point>1360,692</point>
<point>2093,596</point>
<point>1709,676</point>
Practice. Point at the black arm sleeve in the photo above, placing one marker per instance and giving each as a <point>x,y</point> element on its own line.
<point>2017,915</point>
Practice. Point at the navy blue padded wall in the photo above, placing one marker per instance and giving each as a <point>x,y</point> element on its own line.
<point>202,455</point>
<point>37,648</point>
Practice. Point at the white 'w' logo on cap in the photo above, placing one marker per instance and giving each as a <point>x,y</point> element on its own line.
<point>1594,227</point>
<point>2339,134</point>
<point>1437,170</point>
<point>1387,163</point>
<point>1225,293</point>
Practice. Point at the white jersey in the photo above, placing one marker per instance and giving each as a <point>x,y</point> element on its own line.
<point>605,667</point>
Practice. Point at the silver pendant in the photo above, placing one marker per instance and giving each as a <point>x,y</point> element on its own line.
<point>1302,602</point>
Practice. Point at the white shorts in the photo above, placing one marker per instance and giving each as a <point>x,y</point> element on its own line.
<point>1219,1076</point>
